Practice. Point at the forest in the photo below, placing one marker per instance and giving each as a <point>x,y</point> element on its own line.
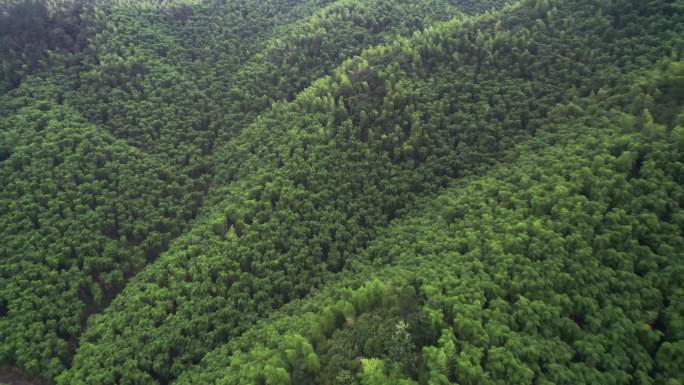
<point>333,192</point>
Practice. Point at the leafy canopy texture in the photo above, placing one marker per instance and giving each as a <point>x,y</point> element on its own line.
<point>342,192</point>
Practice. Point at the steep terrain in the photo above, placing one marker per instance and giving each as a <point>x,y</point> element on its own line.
<point>342,192</point>
<point>556,276</point>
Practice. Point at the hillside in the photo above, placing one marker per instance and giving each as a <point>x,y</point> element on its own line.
<point>546,269</point>
<point>342,192</point>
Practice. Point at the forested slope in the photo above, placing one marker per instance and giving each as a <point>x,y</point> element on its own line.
<point>338,192</point>
<point>561,267</point>
<point>70,245</point>
<point>108,134</point>
<point>82,212</point>
<point>311,182</point>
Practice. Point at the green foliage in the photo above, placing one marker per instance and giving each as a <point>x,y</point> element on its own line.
<point>601,305</point>
<point>81,212</point>
<point>144,79</point>
<point>342,192</point>
<point>279,211</point>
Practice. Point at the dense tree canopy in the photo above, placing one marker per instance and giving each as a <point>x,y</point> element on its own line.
<point>560,267</point>
<point>141,86</point>
<point>342,192</point>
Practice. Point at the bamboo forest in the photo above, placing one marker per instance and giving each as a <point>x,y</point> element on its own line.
<point>333,192</point>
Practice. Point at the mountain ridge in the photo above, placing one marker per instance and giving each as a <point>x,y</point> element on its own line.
<point>287,175</point>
